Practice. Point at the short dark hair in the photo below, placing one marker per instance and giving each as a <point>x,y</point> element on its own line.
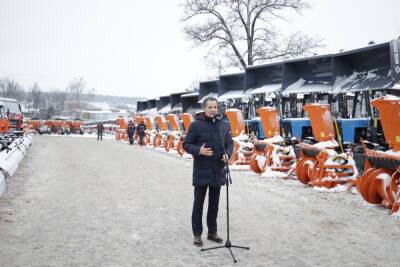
<point>208,99</point>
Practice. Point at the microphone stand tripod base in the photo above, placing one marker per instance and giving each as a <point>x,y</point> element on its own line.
<point>227,245</point>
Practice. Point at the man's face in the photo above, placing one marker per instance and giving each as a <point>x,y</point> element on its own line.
<point>211,109</point>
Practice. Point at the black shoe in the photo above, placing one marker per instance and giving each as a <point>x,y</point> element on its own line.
<point>214,237</point>
<point>197,241</point>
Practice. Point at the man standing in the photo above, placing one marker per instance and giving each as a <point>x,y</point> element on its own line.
<point>141,130</point>
<point>208,138</point>
<point>131,132</point>
<point>100,128</point>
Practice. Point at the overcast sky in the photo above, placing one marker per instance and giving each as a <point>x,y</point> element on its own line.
<point>137,48</point>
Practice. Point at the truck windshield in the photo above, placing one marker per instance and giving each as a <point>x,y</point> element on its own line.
<point>12,107</point>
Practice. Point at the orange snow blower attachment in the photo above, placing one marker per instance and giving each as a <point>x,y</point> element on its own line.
<point>173,121</point>
<point>389,110</point>
<point>35,124</point>
<point>121,122</point>
<point>121,132</point>
<point>242,148</point>
<point>173,137</point>
<point>186,121</point>
<point>159,140</point>
<point>138,119</point>
<point>75,126</point>
<point>269,121</point>
<point>161,123</point>
<point>271,158</point>
<point>380,181</point>
<point>236,121</point>
<point>320,164</point>
<point>147,122</point>
<point>321,121</point>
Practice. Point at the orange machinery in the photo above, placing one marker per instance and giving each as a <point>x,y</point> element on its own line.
<point>35,124</point>
<point>186,119</point>
<point>320,164</point>
<point>162,131</point>
<point>271,154</point>
<point>243,149</point>
<point>4,125</point>
<point>380,181</point>
<point>150,133</point>
<point>75,126</point>
<point>174,136</point>
<point>57,125</point>
<point>121,132</point>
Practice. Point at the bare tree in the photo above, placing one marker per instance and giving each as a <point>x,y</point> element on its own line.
<point>10,88</point>
<point>77,88</point>
<point>57,98</point>
<point>244,29</point>
<point>36,96</point>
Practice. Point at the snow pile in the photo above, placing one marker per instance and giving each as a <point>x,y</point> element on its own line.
<point>396,215</point>
<point>261,161</point>
<point>273,174</point>
<point>391,97</point>
<point>265,89</point>
<point>187,156</point>
<point>276,139</point>
<point>337,189</point>
<point>327,144</point>
<point>239,167</point>
<point>393,153</point>
<point>385,179</point>
<point>242,137</point>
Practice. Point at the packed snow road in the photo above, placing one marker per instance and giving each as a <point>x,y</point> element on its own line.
<point>80,202</point>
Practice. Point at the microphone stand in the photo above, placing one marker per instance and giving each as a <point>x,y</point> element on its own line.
<point>228,180</point>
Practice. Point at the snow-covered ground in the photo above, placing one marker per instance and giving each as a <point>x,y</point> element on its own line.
<point>80,202</point>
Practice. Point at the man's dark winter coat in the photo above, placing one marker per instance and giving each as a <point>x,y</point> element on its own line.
<point>131,129</point>
<point>100,127</point>
<point>208,170</point>
<point>141,129</point>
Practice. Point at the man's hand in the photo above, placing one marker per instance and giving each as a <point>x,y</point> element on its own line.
<point>205,151</point>
<point>225,158</point>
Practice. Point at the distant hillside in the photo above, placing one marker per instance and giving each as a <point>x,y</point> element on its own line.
<point>114,100</point>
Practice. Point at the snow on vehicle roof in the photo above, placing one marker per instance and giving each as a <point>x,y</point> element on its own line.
<point>165,109</point>
<point>304,86</point>
<point>190,94</point>
<point>232,95</point>
<point>265,89</point>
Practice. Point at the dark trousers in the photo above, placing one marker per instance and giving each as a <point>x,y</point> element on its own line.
<point>130,138</point>
<point>212,211</point>
<point>100,136</point>
<point>141,139</point>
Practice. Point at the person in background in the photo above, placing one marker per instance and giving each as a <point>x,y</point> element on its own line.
<point>210,142</point>
<point>130,132</point>
<point>100,129</point>
<point>141,130</point>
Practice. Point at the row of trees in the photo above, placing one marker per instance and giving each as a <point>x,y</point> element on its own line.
<point>35,98</point>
